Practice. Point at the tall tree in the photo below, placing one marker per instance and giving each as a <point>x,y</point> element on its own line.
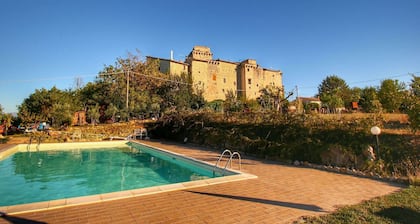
<point>334,92</point>
<point>369,100</point>
<point>391,95</point>
<point>413,108</point>
<point>47,105</point>
<point>141,86</point>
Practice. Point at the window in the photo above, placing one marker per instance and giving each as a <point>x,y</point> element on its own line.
<point>224,80</point>
<point>249,81</point>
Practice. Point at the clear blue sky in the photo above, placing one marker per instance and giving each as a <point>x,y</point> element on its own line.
<point>46,43</point>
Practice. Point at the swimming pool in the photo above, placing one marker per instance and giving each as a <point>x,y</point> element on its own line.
<point>33,176</point>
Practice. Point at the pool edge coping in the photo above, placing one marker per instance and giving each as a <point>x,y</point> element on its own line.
<point>98,198</point>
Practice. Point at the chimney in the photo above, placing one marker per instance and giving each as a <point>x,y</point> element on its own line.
<point>172,55</point>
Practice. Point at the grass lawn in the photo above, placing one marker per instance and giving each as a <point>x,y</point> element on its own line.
<point>401,207</point>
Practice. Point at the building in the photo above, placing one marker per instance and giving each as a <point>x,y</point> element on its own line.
<point>310,104</point>
<point>79,118</point>
<point>216,77</point>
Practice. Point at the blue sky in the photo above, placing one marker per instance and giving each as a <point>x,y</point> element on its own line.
<point>46,43</point>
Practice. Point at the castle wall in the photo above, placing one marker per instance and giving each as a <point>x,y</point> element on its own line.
<point>178,68</point>
<point>164,66</point>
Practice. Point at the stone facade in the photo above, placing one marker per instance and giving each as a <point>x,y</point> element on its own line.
<point>217,77</point>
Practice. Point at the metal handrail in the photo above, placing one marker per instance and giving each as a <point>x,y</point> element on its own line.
<point>221,156</point>
<point>229,161</point>
<point>239,159</point>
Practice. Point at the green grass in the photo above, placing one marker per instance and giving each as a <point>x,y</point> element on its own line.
<point>401,208</point>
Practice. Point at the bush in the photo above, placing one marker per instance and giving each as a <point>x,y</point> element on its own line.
<point>293,137</point>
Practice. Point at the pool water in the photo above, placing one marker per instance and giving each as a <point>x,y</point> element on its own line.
<point>27,177</point>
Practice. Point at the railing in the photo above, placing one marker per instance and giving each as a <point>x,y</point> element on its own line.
<point>39,140</point>
<point>229,161</point>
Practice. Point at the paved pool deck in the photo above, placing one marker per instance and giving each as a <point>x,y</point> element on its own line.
<point>280,194</point>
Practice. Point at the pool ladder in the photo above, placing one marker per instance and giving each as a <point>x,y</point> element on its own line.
<point>28,147</point>
<point>229,161</point>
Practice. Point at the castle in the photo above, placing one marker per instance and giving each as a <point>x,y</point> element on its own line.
<point>217,77</point>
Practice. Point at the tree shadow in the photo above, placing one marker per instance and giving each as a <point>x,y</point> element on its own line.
<point>400,215</point>
<point>18,220</point>
<point>313,208</point>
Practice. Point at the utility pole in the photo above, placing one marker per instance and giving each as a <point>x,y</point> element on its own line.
<point>126,100</point>
<point>298,103</point>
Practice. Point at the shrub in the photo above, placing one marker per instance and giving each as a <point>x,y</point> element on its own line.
<point>295,137</point>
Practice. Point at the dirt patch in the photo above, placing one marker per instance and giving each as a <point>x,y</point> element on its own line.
<point>18,140</point>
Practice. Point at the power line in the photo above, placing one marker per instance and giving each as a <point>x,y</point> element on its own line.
<point>46,79</point>
<point>390,77</point>
<point>371,80</point>
<point>89,75</point>
<point>160,78</point>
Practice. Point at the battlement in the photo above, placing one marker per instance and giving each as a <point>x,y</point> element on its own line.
<point>201,53</point>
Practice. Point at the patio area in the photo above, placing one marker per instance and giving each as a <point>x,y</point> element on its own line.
<point>280,194</point>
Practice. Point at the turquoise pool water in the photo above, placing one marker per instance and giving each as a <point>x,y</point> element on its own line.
<point>27,177</point>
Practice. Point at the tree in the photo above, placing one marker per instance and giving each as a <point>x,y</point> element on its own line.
<point>94,114</point>
<point>61,113</point>
<point>391,95</point>
<point>52,105</point>
<point>355,94</point>
<point>415,86</point>
<point>231,103</point>
<point>272,98</point>
<point>413,108</point>
<point>140,85</point>
<point>369,100</point>
<point>7,121</point>
<point>334,92</point>
<point>129,81</point>
<point>111,111</point>
<point>178,93</point>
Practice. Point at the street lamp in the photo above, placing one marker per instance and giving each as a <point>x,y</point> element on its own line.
<point>375,130</point>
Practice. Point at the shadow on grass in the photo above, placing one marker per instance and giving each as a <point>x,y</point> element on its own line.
<point>18,220</point>
<point>400,215</point>
<point>313,208</point>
